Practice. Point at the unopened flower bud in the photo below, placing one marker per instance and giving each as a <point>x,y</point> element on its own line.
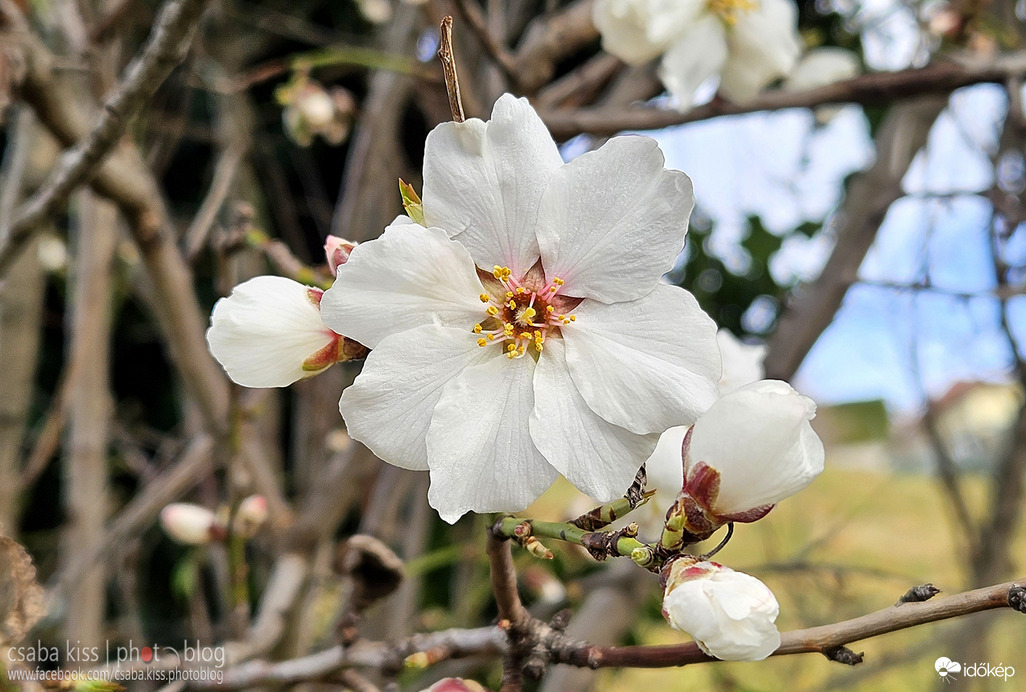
<point>455,685</point>
<point>751,449</point>
<point>729,614</point>
<point>337,250</point>
<point>191,524</point>
<point>250,516</point>
<point>269,333</point>
<point>311,111</point>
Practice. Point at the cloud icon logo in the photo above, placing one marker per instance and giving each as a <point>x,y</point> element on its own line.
<point>945,666</point>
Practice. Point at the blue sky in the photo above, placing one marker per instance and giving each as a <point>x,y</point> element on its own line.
<point>785,169</point>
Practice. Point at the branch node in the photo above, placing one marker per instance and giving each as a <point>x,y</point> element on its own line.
<point>1017,598</point>
<point>918,594</point>
<point>843,654</point>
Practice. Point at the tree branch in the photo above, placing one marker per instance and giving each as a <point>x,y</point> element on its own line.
<point>876,89</point>
<point>167,47</point>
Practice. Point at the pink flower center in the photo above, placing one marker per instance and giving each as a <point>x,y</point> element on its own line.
<point>521,316</point>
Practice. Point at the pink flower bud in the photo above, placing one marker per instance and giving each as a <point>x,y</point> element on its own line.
<point>251,515</point>
<point>729,614</point>
<point>191,524</point>
<point>337,251</point>
<point>455,685</point>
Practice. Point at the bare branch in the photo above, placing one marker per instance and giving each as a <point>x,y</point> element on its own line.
<point>875,89</point>
<point>166,48</point>
<point>452,80</point>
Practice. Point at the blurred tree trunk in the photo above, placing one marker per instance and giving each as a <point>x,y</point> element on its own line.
<point>86,493</point>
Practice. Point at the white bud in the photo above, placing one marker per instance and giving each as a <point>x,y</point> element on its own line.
<point>250,516</point>
<point>269,333</point>
<point>729,614</point>
<point>759,440</point>
<point>190,524</point>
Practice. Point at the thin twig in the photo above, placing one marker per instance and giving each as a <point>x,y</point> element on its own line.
<point>167,47</point>
<point>452,80</point>
<point>883,88</point>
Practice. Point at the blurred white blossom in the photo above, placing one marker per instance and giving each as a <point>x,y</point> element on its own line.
<point>524,330</point>
<point>310,111</point>
<point>191,524</point>
<point>820,67</point>
<point>729,614</point>
<point>748,43</point>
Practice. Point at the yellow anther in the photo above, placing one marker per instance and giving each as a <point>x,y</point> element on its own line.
<point>477,328</point>
<point>521,290</point>
<point>511,348</point>
<point>549,309</point>
<point>507,329</point>
<point>484,297</point>
<point>525,335</point>
<point>512,305</point>
<point>501,273</point>
<point>511,356</point>
<point>552,289</point>
<point>573,318</point>
<point>491,337</point>
<point>522,350</point>
<point>529,313</point>
<point>509,294</point>
<point>558,281</point>
<point>538,346</point>
<point>492,310</point>
<point>482,342</point>
<point>537,334</point>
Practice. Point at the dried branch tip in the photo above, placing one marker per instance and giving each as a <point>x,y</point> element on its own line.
<point>452,80</point>
<point>918,594</point>
<point>1017,598</point>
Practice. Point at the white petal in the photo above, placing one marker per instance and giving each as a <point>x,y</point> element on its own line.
<point>483,183</point>
<point>742,363</point>
<point>637,31</point>
<point>646,365</point>
<point>699,54</point>
<point>764,46</point>
<point>263,332</point>
<point>759,439</point>
<point>601,459</point>
<point>189,524</point>
<point>389,406</point>
<point>612,221</point>
<point>480,450</point>
<point>822,66</point>
<point>408,277</point>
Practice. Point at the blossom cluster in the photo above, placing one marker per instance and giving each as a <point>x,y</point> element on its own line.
<point>749,44</point>
<point>519,329</point>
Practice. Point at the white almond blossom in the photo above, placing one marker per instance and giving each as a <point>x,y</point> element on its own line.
<point>748,43</point>
<point>729,614</point>
<point>751,449</point>
<point>269,333</point>
<point>820,67</point>
<point>524,331</point>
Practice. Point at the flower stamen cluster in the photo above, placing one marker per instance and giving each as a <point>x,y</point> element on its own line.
<point>523,317</point>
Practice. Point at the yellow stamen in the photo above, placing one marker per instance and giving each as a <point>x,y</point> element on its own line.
<point>512,305</point>
<point>477,328</point>
<point>491,337</point>
<point>484,297</point>
<point>482,342</point>
<point>509,294</point>
<point>573,318</point>
<point>521,290</point>
<point>549,309</point>
<point>529,313</point>
<point>558,281</point>
<point>492,310</point>
<point>511,348</point>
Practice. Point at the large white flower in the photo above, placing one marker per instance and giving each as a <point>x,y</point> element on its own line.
<point>524,331</point>
<point>749,43</point>
<point>731,615</point>
<point>269,333</point>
